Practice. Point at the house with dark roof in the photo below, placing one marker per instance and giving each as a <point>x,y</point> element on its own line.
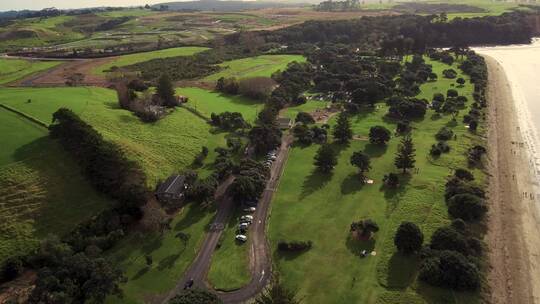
<point>284,123</point>
<point>172,189</point>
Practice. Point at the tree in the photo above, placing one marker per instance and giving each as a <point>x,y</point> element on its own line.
<point>365,228</point>
<point>276,293</point>
<point>448,238</point>
<point>391,180</point>
<point>264,138</point>
<point>326,158</point>
<point>304,118</point>
<point>342,130</point>
<point>361,161</point>
<point>405,154</point>
<point>467,206</point>
<point>460,81</point>
<point>450,269</point>
<point>165,91</point>
<point>195,296</point>
<point>379,135</point>
<point>408,238</point>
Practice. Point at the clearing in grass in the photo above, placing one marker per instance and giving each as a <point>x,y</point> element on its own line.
<point>259,66</point>
<point>41,188</point>
<point>167,146</point>
<point>15,69</point>
<point>310,206</point>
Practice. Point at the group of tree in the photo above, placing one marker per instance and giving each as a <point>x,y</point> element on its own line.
<point>229,121</point>
<point>443,135</point>
<point>294,246</point>
<point>307,135</point>
<point>257,88</point>
<point>250,181</point>
<point>338,6</point>
<point>406,108</point>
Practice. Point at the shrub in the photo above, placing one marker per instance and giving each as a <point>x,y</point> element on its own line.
<point>294,246</point>
<point>304,118</point>
<point>463,174</point>
<point>452,93</point>
<point>448,238</point>
<point>228,85</point>
<point>391,180</point>
<point>467,206</point>
<point>195,296</point>
<point>475,155</point>
<point>408,238</point>
<point>449,73</point>
<point>438,97</point>
<point>450,269</point>
<point>444,133</point>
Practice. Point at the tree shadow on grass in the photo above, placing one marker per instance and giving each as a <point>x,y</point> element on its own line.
<point>357,246</point>
<point>149,247</point>
<point>390,193</point>
<point>375,150</point>
<point>437,295</point>
<point>194,215</point>
<point>315,181</point>
<point>351,184</point>
<point>401,270</point>
<point>141,272</point>
<point>287,256</point>
<point>168,262</point>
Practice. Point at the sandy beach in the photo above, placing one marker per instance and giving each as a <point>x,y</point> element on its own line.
<point>514,221</point>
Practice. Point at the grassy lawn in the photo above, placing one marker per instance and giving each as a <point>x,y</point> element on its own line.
<point>320,208</point>
<point>162,148</point>
<point>171,253</point>
<point>259,66</point>
<point>310,106</point>
<point>41,188</point>
<point>208,102</point>
<point>15,69</point>
<point>229,269</point>
<point>130,59</point>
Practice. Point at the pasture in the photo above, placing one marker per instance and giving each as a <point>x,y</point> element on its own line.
<point>130,59</point>
<point>15,69</point>
<point>259,66</point>
<point>41,188</point>
<point>312,206</point>
<point>208,102</point>
<point>164,147</point>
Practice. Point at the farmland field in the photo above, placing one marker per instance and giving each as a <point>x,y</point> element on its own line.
<point>259,66</point>
<point>207,102</point>
<point>126,60</point>
<point>15,69</point>
<point>41,188</point>
<point>162,148</point>
<point>320,208</point>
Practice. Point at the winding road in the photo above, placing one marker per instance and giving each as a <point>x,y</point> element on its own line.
<point>260,256</point>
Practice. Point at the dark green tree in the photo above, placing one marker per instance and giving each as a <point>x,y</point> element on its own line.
<point>408,238</point>
<point>342,130</point>
<point>361,161</point>
<point>379,135</point>
<point>165,91</point>
<point>325,159</point>
<point>405,154</point>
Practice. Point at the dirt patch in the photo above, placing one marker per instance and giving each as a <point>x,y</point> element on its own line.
<point>57,76</point>
<point>18,290</point>
<point>513,238</point>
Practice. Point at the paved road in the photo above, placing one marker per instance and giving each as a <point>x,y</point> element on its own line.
<point>260,256</point>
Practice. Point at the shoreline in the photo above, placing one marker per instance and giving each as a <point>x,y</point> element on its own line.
<point>513,221</point>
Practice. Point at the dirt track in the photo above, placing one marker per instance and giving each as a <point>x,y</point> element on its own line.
<point>513,229</point>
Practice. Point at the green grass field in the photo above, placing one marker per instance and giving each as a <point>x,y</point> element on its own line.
<point>259,66</point>
<point>130,59</point>
<point>168,146</point>
<point>15,69</point>
<point>171,253</point>
<point>229,270</point>
<point>207,102</point>
<point>320,208</point>
<point>41,188</point>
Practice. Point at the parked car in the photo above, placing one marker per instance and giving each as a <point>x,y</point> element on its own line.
<point>188,284</point>
<point>243,226</point>
<point>273,157</point>
<point>246,217</point>
<point>241,237</point>
<point>250,209</point>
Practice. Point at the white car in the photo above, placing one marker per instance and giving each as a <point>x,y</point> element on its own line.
<point>243,226</point>
<point>241,238</point>
<point>246,218</point>
<point>250,209</point>
<point>273,157</point>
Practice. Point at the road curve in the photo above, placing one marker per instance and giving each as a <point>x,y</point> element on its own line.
<point>260,255</point>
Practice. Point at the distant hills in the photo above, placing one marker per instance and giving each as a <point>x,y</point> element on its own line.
<point>224,6</point>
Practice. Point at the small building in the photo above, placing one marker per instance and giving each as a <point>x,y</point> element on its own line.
<point>285,123</point>
<point>172,189</point>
